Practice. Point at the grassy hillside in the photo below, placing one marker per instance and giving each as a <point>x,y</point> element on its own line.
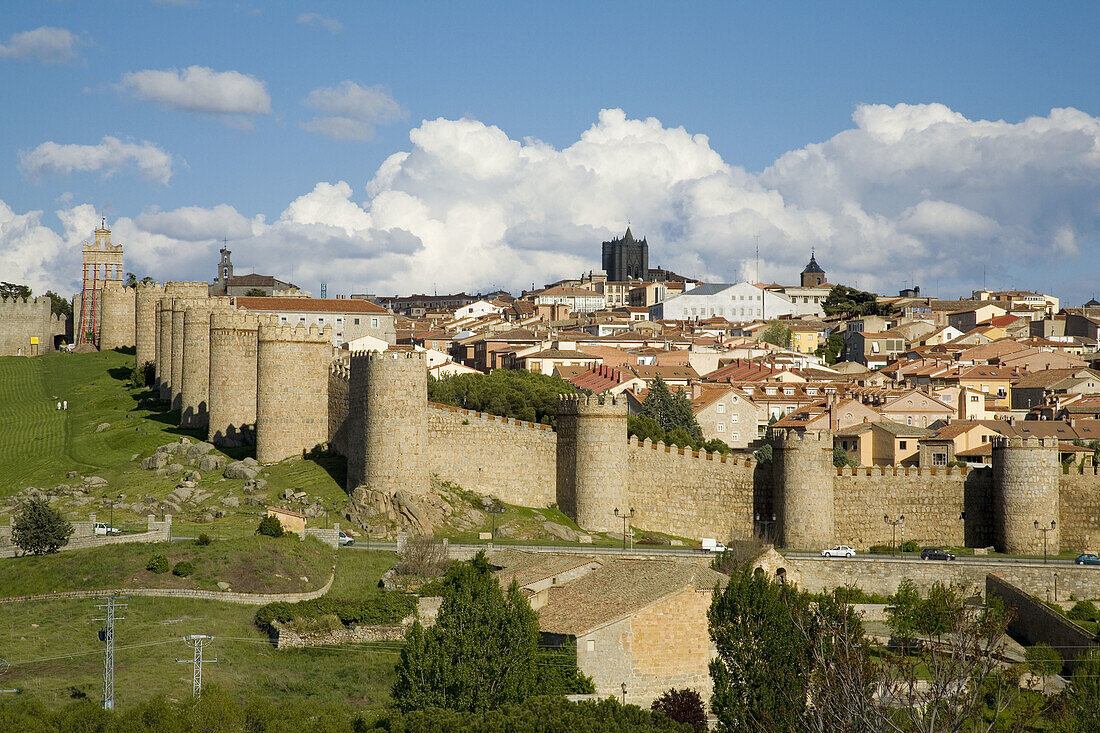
<point>253,564</point>
<point>55,654</point>
<point>40,446</point>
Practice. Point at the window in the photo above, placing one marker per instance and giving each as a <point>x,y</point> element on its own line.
<point>736,437</point>
<point>974,398</point>
<point>909,420</point>
<point>939,459</point>
<point>721,408</point>
<point>356,321</point>
<point>721,427</point>
<point>590,645</point>
<point>733,418</point>
<point>874,347</point>
<point>902,444</point>
<point>374,323</point>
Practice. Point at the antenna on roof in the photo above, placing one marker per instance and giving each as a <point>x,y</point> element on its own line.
<point>757,238</point>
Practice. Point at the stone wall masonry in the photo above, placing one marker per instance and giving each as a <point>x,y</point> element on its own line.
<point>338,382</point>
<point>195,377</point>
<point>1079,509</point>
<point>292,369</point>
<point>941,506</point>
<point>689,494</point>
<point>117,317</point>
<point>513,460</point>
<point>249,599</point>
<point>591,460</point>
<point>1036,623</point>
<point>179,312</point>
<point>803,488</point>
<point>84,537</point>
<point>164,348</point>
<point>21,321</point>
<point>145,322</point>
<point>285,638</point>
<point>882,575</point>
<point>232,383</point>
<point>388,419</point>
<point>1026,477</point>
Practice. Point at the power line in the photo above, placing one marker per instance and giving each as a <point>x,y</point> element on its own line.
<point>196,641</point>
<point>107,635</point>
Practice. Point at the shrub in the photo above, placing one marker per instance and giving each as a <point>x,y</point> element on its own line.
<point>385,608</point>
<point>157,564</point>
<point>422,555</point>
<point>1043,660</point>
<point>203,539</point>
<point>879,549</point>
<point>183,569</point>
<point>1083,611</point>
<point>683,706</point>
<point>40,529</point>
<point>270,526</point>
<point>909,546</point>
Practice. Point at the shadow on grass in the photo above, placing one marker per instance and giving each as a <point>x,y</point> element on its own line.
<point>336,466</point>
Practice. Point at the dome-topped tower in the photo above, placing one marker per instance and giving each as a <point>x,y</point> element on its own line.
<point>813,276</point>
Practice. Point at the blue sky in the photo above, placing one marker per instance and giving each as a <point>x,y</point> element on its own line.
<point>761,81</point>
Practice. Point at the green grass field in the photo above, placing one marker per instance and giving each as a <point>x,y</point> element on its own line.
<point>254,564</point>
<point>55,653</point>
<point>40,445</point>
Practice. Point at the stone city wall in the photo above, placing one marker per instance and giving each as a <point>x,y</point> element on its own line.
<point>689,494</point>
<point>1079,510</point>
<point>513,460</point>
<point>117,317</point>
<point>22,321</point>
<point>232,382</point>
<point>292,371</point>
<point>283,637</point>
<point>338,379</point>
<point>145,322</point>
<point>941,506</point>
<point>1036,623</point>
<point>195,377</point>
<point>883,574</point>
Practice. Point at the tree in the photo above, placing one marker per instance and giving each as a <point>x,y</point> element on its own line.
<point>849,302</point>
<point>1043,660</point>
<point>511,393</point>
<point>683,706</point>
<point>270,526</point>
<point>40,529</point>
<point>671,411</point>
<point>59,305</point>
<point>255,293</point>
<point>763,659</point>
<point>1081,702</point>
<point>841,459</point>
<point>833,350</point>
<point>131,280</point>
<point>481,652</point>
<point>777,333</point>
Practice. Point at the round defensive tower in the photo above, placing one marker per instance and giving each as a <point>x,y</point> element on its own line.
<point>145,322</point>
<point>803,487</point>
<point>195,377</point>
<point>232,380</point>
<point>592,455</point>
<point>116,328</point>
<point>388,421</point>
<point>292,368</point>
<point>179,310</point>
<point>1025,491</point>
<point>164,347</point>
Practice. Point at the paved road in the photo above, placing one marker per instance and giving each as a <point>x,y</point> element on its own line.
<point>688,552</point>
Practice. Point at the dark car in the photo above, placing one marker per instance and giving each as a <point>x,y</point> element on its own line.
<point>935,553</point>
<point>1087,559</point>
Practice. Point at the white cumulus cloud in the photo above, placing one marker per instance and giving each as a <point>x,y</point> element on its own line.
<point>351,111</point>
<point>46,44</point>
<point>109,156</point>
<point>910,192</point>
<point>230,95</point>
<point>317,20</point>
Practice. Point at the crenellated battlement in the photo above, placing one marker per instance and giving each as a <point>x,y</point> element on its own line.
<point>390,355</point>
<point>34,305</point>
<point>701,455</point>
<point>914,471</point>
<point>150,287</point>
<point>488,417</point>
<point>1002,441</point>
<point>796,438</point>
<point>239,320</point>
<point>340,370</point>
<point>295,333</point>
<point>579,404</point>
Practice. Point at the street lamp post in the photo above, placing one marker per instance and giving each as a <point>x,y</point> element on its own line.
<point>494,510</point>
<point>893,529</point>
<point>1044,530</point>
<point>1056,587</point>
<point>626,517</point>
<point>765,523</point>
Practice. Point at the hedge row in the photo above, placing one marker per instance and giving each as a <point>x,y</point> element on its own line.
<point>386,608</point>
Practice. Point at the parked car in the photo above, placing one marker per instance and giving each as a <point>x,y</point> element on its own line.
<point>345,539</point>
<point>104,529</point>
<point>712,545</point>
<point>839,551</point>
<point>1087,558</point>
<point>935,553</point>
